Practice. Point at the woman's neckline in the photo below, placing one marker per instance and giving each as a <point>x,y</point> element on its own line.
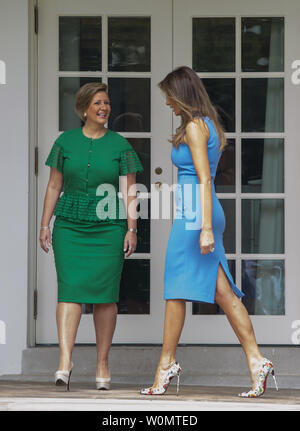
<point>89,138</point>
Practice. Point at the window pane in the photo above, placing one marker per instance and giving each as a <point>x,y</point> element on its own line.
<point>262,226</point>
<point>143,227</point>
<point>135,287</point>
<point>205,308</point>
<point>214,44</point>
<point>228,206</point>
<point>80,43</point>
<point>68,88</point>
<point>142,148</point>
<point>263,282</point>
<point>225,175</point>
<point>263,44</point>
<point>130,104</point>
<point>262,105</point>
<point>129,43</point>
<point>222,95</point>
<point>262,166</point>
<point>143,211</point>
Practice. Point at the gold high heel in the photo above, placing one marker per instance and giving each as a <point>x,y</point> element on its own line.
<point>266,368</point>
<point>165,377</point>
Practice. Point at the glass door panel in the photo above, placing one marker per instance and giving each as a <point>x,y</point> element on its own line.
<point>80,43</point>
<point>117,43</point>
<point>129,44</point>
<point>240,56</point>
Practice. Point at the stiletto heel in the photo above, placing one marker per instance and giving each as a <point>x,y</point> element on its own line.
<point>69,379</point>
<point>177,388</point>
<point>165,377</point>
<point>63,377</point>
<point>266,368</point>
<point>273,375</point>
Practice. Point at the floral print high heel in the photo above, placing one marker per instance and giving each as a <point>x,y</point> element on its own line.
<point>266,368</point>
<point>165,377</point>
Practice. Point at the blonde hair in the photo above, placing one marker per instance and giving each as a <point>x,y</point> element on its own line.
<point>186,89</point>
<point>85,95</point>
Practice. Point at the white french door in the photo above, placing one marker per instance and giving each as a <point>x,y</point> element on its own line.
<point>244,52</point>
<point>119,43</point>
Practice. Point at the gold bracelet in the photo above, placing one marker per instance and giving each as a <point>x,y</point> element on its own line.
<point>45,227</point>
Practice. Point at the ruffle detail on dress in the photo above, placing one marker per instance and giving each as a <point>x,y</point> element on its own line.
<point>130,162</point>
<point>55,158</point>
<point>77,206</point>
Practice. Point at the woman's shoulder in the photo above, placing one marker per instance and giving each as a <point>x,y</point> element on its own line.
<point>67,135</point>
<point>198,124</point>
<point>119,140</point>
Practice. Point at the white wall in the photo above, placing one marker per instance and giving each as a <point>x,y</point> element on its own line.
<point>13,183</point>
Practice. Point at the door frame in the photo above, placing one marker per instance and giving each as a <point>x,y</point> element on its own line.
<point>292,94</point>
<point>161,129</point>
<point>270,329</point>
<point>32,177</point>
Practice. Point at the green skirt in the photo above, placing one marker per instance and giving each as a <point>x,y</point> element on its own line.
<point>89,260</point>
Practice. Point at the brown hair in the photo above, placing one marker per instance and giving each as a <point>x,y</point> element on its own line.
<point>185,88</point>
<point>85,95</point>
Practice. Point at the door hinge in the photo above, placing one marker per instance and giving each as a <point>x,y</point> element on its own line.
<point>36,19</point>
<point>36,160</point>
<point>35,303</point>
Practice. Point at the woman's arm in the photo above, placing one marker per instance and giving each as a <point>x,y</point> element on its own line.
<point>53,191</point>
<point>128,189</point>
<point>197,135</point>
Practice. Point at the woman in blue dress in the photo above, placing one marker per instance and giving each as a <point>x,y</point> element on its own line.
<point>196,268</point>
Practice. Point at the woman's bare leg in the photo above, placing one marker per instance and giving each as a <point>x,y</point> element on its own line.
<point>68,316</point>
<point>173,325</point>
<point>105,317</point>
<point>239,319</point>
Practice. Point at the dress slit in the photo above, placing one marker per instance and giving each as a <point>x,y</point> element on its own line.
<point>228,275</point>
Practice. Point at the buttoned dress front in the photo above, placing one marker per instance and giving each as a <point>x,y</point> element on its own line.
<point>90,224</point>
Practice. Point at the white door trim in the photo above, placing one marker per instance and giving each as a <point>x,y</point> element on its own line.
<point>292,95</point>
<point>130,328</point>
<point>269,329</point>
<point>32,195</point>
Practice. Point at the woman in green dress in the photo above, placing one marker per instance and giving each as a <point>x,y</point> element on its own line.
<point>92,231</point>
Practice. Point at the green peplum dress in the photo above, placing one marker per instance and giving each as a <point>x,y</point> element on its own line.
<point>90,223</point>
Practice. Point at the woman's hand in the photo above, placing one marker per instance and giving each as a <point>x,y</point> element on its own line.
<point>130,242</point>
<point>207,241</point>
<point>45,239</point>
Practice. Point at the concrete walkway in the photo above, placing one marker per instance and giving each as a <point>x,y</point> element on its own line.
<point>37,396</point>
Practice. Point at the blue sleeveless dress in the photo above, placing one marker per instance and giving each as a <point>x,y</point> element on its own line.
<point>189,274</point>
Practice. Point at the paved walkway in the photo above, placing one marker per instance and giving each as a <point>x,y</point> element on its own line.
<point>26,396</point>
